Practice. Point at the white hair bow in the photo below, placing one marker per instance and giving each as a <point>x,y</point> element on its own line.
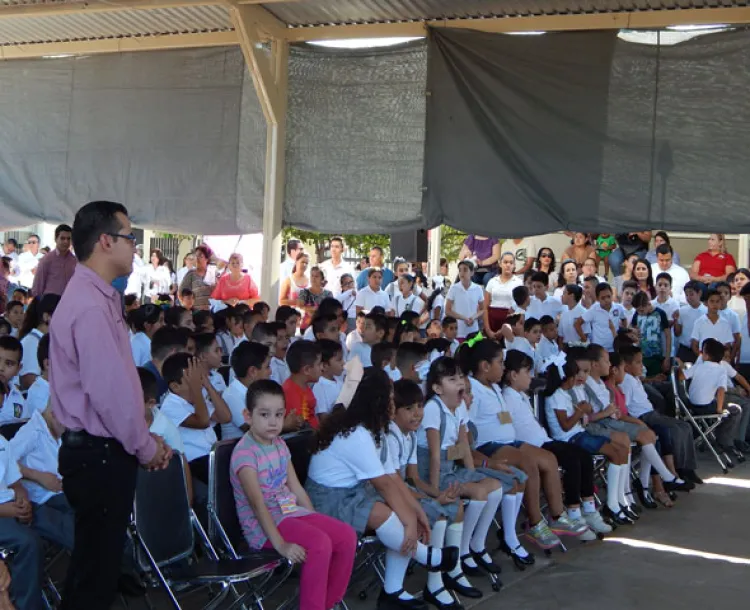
<point>557,360</point>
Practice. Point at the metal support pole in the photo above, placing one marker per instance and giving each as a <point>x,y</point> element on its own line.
<point>744,250</point>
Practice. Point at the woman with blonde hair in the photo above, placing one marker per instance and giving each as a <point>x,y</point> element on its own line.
<point>715,264</point>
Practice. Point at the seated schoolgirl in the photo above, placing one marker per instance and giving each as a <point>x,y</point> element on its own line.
<point>577,464</point>
<point>274,510</point>
<point>442,443</point>
<point>567,416</point>
<point>440,508</point>
<point>347,480</point>
<point>496,441</point>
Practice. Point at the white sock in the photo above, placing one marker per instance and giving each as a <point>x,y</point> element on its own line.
<point>453,538</point>
<point>574,513</point>
<point>479,538</point>
<point>645,474</point>
<point>589,507</point>
<point>655,459</point>
<point>519,503</point>
<point>509,506</point>
<point>435,579</point>
<point>396,565</point>
<point>613,486</point>
<point>471,516</point>
<point>391,534</point>
<point>628,490</point>
<point>624,476</point>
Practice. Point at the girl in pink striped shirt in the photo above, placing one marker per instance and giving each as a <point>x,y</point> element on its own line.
<point>275,511</point>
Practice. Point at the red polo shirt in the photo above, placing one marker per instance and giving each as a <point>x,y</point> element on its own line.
<point>714,265</point>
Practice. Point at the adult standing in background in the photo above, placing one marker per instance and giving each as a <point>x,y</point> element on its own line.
<point>485,252</point>
<point>523,251</point>
<point>188,264</point>
<point>55,270</point>
<point>28,261</point>
<point>665,264</point>
<point>134,283</point>
<point>376,260</point>
<point>498,296</point>
<point>336,267</point>
<point>202,279</point>
<point>627,244</point>
<point>293,249</point>
<point>156,278</point>
<point>96,395</point>
<point>234,285</point>
<point>715,264</point>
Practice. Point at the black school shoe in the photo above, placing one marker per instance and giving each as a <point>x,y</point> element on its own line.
<point>453,585</point>
<point>675,486</point>
<point>431,598</point>
<point>617,518</point>
<point>391,601</point>
<point>488,566</point>
<point>630,513</point>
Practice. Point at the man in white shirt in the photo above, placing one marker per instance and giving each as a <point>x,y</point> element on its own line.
<point>465,301</point>
<point>665,264</point>
<point>523,251</point>
<point>335,266</point>
<point>28,261</point>
<point>293,248</point>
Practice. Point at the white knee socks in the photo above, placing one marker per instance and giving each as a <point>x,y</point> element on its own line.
<point>623,481</point>
<point>396,565</point>
<point>650,452</point>
<point>645,475</point>
<point>391,534</point>
<point>471,517</point>
<point>613,487</point>
<point>479,538</point>
<point>453,538</point>
<point>510,507</point>
<point>435,579</point>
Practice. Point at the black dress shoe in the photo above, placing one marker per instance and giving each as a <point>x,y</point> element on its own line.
<point>448,561</point>
<point>630,513</point>
<point>467,569</point>
<point>675,486</point>
<point>693,476</point>
<point>453,585</point>
<point>520,562</point>
<point>488,566</point>
<point>616,518</point>
<point>645,498</point>
<point>431,598</point>
<point>391,601</point>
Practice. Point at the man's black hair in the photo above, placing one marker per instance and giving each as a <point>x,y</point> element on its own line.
<point>92,221</point>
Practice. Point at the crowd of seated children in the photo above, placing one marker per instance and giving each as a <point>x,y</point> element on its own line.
<point>14,407</point>
<point>327,388</point>
<point>37,396</point>
<point>35,326</point>
<point>304,360</point>
<point>144,321</point>
<point>250,362</point>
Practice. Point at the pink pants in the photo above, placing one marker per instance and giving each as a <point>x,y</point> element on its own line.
<point>330,546</point>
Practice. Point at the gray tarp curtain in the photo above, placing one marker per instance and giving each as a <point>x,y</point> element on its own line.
<point>582,130</point>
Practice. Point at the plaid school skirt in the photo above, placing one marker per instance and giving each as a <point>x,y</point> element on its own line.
<point>351,505</point>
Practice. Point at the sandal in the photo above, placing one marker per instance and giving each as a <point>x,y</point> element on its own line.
<point>663,498</point>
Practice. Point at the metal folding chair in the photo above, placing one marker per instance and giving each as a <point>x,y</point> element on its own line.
<point>704,425</point>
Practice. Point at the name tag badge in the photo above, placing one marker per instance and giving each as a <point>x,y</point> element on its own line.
<point>455,452</point>
<point>505,417</point>
<point>287,504</point>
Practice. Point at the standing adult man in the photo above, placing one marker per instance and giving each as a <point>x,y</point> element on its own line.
<point>376,260</point>
<point>96,394</point>
<point>335,266</point>
<point>665,264</point>
<point>28,261</point>
<point>55,270</point>
<point>293,248</point>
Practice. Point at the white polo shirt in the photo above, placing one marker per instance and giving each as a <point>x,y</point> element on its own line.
<point>565,328</point>
<point>636,398</point>
<point>489,414</point>
<point>734,320</point>
<point>560,401</point>
<point>705,380</point>
<point>326,391</point>
<point>668,307</point>
<point>9,472</point>
<point>333,274</point>
<point>33,446</point>
<point>521,344</point>
<point>364,352</point>
<point>30,362</point>
<point>525,425</point>
<point>706,329</point>
<point>140,344</point>
<point>197,442</point>
<point>13,407</point>
<point>163,426</point>
<point>367,298</point>
<point>348,460</point>
<point>549,307</point>
<point>465,302</point>
<point>599,319</point>
<point>679,276</point>
<point>401,448</point>
<point>688,317</point>
<point>38,396</point>
<point>501,293</point>
<point>431,421</point>
<point>410,303</point>
<point>235,396</point>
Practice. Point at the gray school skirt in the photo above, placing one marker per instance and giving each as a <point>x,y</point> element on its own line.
<point>351,505</point>
<point>450,473</point>
<point>436,511</point>
<point>605,427</point>
<point>508,481</point>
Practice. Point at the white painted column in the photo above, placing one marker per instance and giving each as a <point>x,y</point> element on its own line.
<point>744,246</point>
<point>435,246</point>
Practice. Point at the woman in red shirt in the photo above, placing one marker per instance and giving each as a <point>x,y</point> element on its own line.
<point>235,286</point>
<point>715,264</point>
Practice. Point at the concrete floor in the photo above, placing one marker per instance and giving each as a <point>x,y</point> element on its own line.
<point>612,575</point>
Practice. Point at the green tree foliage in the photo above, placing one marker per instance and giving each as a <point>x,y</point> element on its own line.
<point>452,240</point>
<point>358,243</point>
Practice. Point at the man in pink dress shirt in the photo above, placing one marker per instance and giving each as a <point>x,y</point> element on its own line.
<point>55,270</point>
<point>96,395</point>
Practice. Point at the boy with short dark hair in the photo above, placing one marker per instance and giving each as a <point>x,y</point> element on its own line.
<point>589,291</point>
<point>712,325</point>
<point>604,318</point>
<point>249,320</point>
<point>541,303</point>
<point>327,327</point>
<point>38,395</point>
<point>383,355</point>
<point>263,309</point>
<point>165,342</point>
<point>408,357</point>
<point>304,360</point>
<point>655,336</point>
<point>187,299</point>
<point>627,291</point>
<point>547,346</point>
<point>14,314</point>
<point>209,354</point>
<point>522,299</point>
<point>265,333</point>
<point>664,299</point>
<point>374,332</point>
<point>328,387</point>
<point>234,334</point>
<point>355,336</point>
<point>725,290</point>
<point>450,332</point>
<point>689,314</point>
<point>13,407</point>
<point>279,368</point>
<point>572,310</point>
<point>250,362</point>
<point>290,317</point>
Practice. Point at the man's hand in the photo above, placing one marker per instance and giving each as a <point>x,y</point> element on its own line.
<point>162,456</point>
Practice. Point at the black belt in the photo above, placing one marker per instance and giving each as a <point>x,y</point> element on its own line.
<point>80,439</point>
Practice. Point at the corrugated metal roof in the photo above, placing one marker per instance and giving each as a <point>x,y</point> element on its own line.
<point>337,12</point>
<point>115,24</point>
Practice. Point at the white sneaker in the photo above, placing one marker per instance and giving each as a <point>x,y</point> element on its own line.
<point>595,522</point>
<point>588,536</point>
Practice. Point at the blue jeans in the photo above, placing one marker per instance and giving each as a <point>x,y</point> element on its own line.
<point>55,521</point>
<point>26,564</point>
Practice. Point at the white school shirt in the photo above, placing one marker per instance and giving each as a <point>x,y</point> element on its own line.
<point>731,316</point>
<point>197,442</point>
<point>27,262</point>
<point>348,460</point>
<point>401,448</point>
<point>392,289</point>
<point>636,398</point>
<point>326,391</point>
<point>333,274</point>
<point>501,293</point>
<point>679,276</point>
<point>438,302</point>
<point>599,319</point>
<point>521,344</point>
<point>465,302</point>
<point>549,307</point>
<point>14,406</point>
<point>704,329</point>
<point>347,300</point>
<point>368,298</point>
<point>9,472</point>
<point>364,352</point>
<point>279,370</point>
<point>431,420</point>
<point>163,426</point>
<point>393,373</point>
<point>410,303</point>
<point>668,307</point>
<point>352,339</point>
<point>561,401</point>
<point>33,446</point>
<point>38,396</point>
<point>140,344</point>
<point>567,319</point>
<point>235,396</point>
<point>629,313</point>
<point>600,389</point>
<point>728,369</point>
<point>546,349</point>
<point>688,316</point>
<point>30,362</point>
<point>217,380</point>
<point>485,413</point>
<point>526,427</point>
<point>705,380</point>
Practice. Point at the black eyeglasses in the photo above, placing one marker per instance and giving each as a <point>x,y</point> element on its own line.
<point>130,236</point>
<point>545,255</point>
